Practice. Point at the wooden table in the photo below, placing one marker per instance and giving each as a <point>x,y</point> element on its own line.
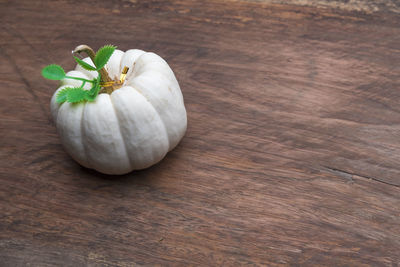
<point>291,157</point>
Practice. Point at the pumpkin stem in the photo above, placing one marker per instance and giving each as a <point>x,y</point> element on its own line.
<point>105,78</point>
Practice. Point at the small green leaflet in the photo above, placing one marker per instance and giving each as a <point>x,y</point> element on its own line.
<point>103,55</point>
<point>62,95</point>
<point>76,95</point>
<point>84,65</point>
<point>72,95</point>
<point>53,72</point>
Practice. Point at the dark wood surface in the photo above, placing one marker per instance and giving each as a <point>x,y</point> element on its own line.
<point>291,155</point>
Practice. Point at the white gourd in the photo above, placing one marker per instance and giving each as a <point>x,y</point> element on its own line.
<point>133,127</point>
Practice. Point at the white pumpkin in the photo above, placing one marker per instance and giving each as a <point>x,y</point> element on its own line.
<point>133,127</point>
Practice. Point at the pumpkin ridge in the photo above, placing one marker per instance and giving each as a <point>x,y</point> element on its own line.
<point>129,60</point>
<point>82,137</point>
<point>158,114</point>
<point>162,122</point>
<point>120,131</point>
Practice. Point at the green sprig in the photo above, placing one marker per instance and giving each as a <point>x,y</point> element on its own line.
<point>79,94</point>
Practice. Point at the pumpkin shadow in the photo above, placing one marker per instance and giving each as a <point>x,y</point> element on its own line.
<point>91,173</point>
<point>148,175</point>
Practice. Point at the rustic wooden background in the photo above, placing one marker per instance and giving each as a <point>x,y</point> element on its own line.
<point>292,151</point>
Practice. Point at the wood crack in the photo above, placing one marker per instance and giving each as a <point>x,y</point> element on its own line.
<point>28,86</point>
<point>349,176</point>
<point>42,56</point>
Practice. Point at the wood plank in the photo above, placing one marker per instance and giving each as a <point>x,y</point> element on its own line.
<point>290,158</point>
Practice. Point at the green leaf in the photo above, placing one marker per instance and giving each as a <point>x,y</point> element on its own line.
<point>73,95</point>
<point>76,95</point>
<point>103,55</point>
<point>53,72</point>
<point>84,65</point>
<point>62,95</point>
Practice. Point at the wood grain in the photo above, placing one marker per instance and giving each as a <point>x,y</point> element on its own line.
<point>366,6</point>
<point>291,155</point>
